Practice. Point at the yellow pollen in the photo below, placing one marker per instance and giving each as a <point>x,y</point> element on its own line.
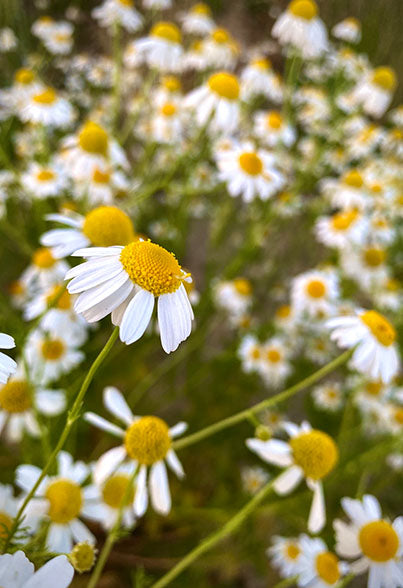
<point>46,97</point>
<point>167,31</point>
<point>385,77</point>
<point>373,388</point>
<point>225,85</point>
<point>315,452</point>
<point>171,83</point>
<point>221,36</point>
<point>343,220</point>
<point>381,328</point>
<point>100,177</point>
<point>93,139</point>
<point>168,109</point>
<point>147,440</point>
<point>354,179</point>
<point>43,258</point>
<point>151,267</point>
<point>251,163</point>
<point>274,120</point>
<point>378,541</point>
<point>45,175</point>
<point>114,491</point>
<point>273,356</point>
<point>316,289</point>
<point>262,63</point>
<point>63,298</point>
<point>52,349</point>
<point>306,9</point>
<point>5,524</point>
<point>398,415</point>
<point>15,396</point>
<point>327,566</point>
<point>108,225</point>
<point>255,352</point>
<point>292,551</point>
<point>374,256</point>
<point>332,394</point>
<point>65,501</point>
<point>283,311</point>
<point>127,3</point>
<point>392,285</point>
<point>82,557</point>
<point>242,286</point>
<point>24,76</point>
<point>201,8</point>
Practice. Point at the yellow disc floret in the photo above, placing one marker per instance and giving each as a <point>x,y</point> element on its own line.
<point>65,501</point>
<point>306,9</point>
<point>147,440</point>
<point>15,396</point>
<point>385,77</point>
<point>108,225</point>
<point>316,289</point>
<point>82,557</point>
<point>171,83</point>
<point>53,349</point>
<point>101,177</point>
<point>378,541</point>
<point>128,3</point>
<point>315,452</point>
<point>151,267</point>
<point>201,8</point>
<point>292,551</point>
<point>167,31</point>
<point>46,97</point>
<point>273,355</point>
<point>251,163</point>
<point>45,175</point>
<point>381,328</point>
<point>343,220</point>
<point>221,36</point>
<point>242,286</point>
<point>353,178</point>
<point>115,489</point>
<point>24,76</point>
<point>224,84</point>
<point>43,258</point>
<point>59,298</point>
<point>327,567</point>
<point>168,109</point>
<point>6,523</point>
<point>374,256</point>
<point>274,120</point>
<point>93,139</point>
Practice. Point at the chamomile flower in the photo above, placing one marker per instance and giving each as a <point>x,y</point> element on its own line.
<point>16,571</point>
<point>157,4</point>
<point>147,445</point>
<point>101,227</point>
<point>234,296</point>
<point>318,567</point>
<point>60,499</point>
<point>372,541</point>
<point>118,12</point>
<point>44,270</point>
<point>342,229</point>
<point>220,49</point>
<point>198,20</point>
<point>125,281</point>
<point>250,353</point>
<point>259,79</point>
<point>301,27</point>
<point>253,478</point>
<point>310,454</point>
<point>349,192</point>
<point>7,364</point>
<point>167,125</point>
<point>366,265</point>
<point>48,109</point>
<point>375,91</point>
<point>328,397</point>
<point>348,30</point>
<point>8,40</point>
<point>8,510</point>
<point>44,181</point>
<point>272,129</point>
<point>249,172</point>
<point>162,48</point>
<point>274,366</point>
<point>315,293</point>
<point>373,337</point>
<point>285,554</point>
<point>59,39</point>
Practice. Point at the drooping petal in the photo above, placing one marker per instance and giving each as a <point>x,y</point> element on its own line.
<point>159,488</point>
<point>288,480</point>
<point>136,317</point>
<point>116,404</point>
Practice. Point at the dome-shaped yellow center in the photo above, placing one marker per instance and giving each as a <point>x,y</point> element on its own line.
<point>93,139</point>
<point>283,311</point>
<point>251,163</point>
<point>262,63</point>
<point>46,97</point>
<point>43,258</point>
<point>378,541</point>
<point>63,298</point>
<point>53,349</point>
<point>327,567</point>
<point>147,440</point>
<point>108,225</point>
<point>343,220</point>
<point>273,355</point>
<point>274,120</point>
<point>393,285</point>
<point>398,415</point>
<point>151,267</point>
<point>115,489</point>
<point>128,3</point>
<point>169,109</point>
<point>45,175</point>
<point>5,524</point>
<point>201,8</point>
<point>83,557</point>
<point>101,177</point>
<point>167,31</point>
<point>242,286</point>
<point>225,85</point>
<point>65,501</point>
<point>292,551</point>
<point>15,396</point>
<point>374,256</point>
<point>373,388</point>
<point>315,452</point>
<point>255,352</point>
<point>316,289</point>
<point>381,328</point>
<point>171,83</point>
<point>385,78</point>
<point>24,76</point>
<point>306,9</point>
<point>353,178</point>
<point>221,36</point>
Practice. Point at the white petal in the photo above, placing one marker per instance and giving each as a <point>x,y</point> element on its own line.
<point>107,463</point>
<point>80,532</point>
<point>178,429</point>
<point>159,488</point>
<point>288,480</point>
<point>56,572</point>
<point>6,341</point>
<point>59,538</point>
<point>141,496</point>
<point>50,402</point>
<point>103,424</point>
<point>116,404</point>
<point>136,317</point>
<point>174,318</point>
<point>272,451</point>
<point>174,463</point>
<point>317,515</point>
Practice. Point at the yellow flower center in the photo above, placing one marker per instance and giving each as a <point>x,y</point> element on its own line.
<point>5,524</point>
<point>316,289</point>
<point>15,396</point>
<point>16,288</point>
<point>46,97</point>
<point>100,177</point>
<point>381,328</point>
<point>93,139</point>
<point>24,76</point>
<point>374,256</point>
<point>242,286</point>
<point>52,349</point>
<point>151,267</point>
<point>373,388</point>
<point>262,63</point>
<point>65,501</point>
<point>108,225</point>
<point>168,109</point>
<point>63,298</point>
<point>45,175</point>
<point>127,3</point>
<point>350,20</point>
<point>62,37</point>
<point>315,452</point>
<point>221,36</point>
<point>167,31</point>
<point>306,9</point>
<point>255,352</point>
<point>225,85</point>
<point>343,220</point>
<point>274,120</point>
<point>392,285</point>
<point>354,179</point>
<point>292,551</point>
<point>378,541</point>
<point>83,557</point>
<point>43,258</point>
<point>147,440</point>
<point>251,163</point>
<point>171,83</point>
<point>273,356</point>
<point>115,489</point>
<point>398,415</point>
<point>201,8</point>
<point>385,77</point>
<point>283,311</point>
<point>327,567</point>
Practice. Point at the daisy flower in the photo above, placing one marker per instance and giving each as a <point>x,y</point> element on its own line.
<point>7,364</point>
<point>48,109</point>
<point>197,21</point>
<point>167,125</point>
<point>8,40</point>
<point>16,571</point>
<point>157,4</point>
<point>328,397</point>
<point>366,265</point>
<point>310,454</point>
<point>348,30</point>
<point>375,543</point>
<point>285,554</point>
<point>375,91</point>
<point>259,79</point>
<point>253,479</point>
<point>234,296</point>
<point>60,499</point>
<point>8,510</point>
<point>301,27</point>
<point>59,38</point>
<point>342,229</point>
<point>349,192</point>
<point>272,129</point>
<point>147,445</point>
<point>44,270</point>
<point>318,567</point>
<point>274,366</point>
<point>373,337</point>
<point>250,353</point>
<point>101,227</point>
<point>121,12</point>
<point>125,281</point>
<point>162,49</point>
<point>220,49</point>
<point>315,293</point>
<point>44,181</point>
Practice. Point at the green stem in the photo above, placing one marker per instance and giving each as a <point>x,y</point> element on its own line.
<point>212,540</point>
<point>73,415</point>
<point>272,401</point>
<point>286,582</point>
<point>345,581</point>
